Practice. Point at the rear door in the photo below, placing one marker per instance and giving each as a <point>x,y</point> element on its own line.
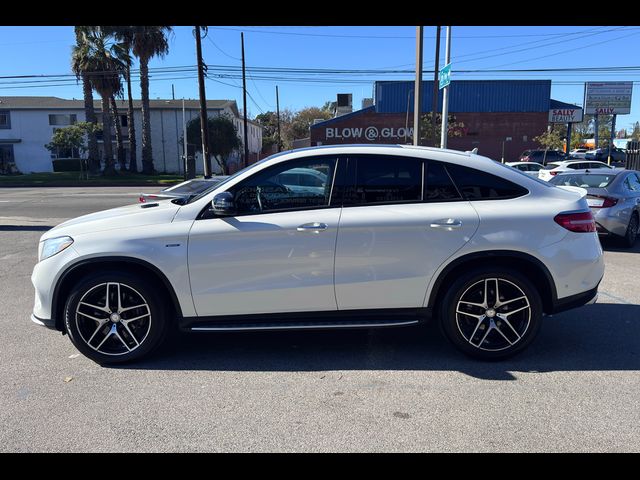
<point>395,230</point>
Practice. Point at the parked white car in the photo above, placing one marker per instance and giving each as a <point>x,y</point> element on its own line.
<point>578,153</point>
<point>550,170</point>
<point>530,168</point>
<point>399,234</point>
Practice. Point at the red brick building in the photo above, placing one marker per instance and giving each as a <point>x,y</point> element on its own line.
<point>493,113</point>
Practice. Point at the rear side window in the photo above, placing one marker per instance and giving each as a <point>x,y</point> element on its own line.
<point>379,179</point>
<point>438,184</point>
<point>477,185</point>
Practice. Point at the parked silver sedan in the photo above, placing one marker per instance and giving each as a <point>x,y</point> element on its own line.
<point>614,198</point>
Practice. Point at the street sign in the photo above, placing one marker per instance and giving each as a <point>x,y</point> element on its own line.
<point>444,76</point>
<point>607,98</point>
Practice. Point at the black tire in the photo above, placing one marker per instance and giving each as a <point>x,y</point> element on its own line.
<point>631,234</point>
<point>131,341</point>
<point>492,337</point>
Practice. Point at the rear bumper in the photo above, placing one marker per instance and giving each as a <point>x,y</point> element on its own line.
<point>574,301</point>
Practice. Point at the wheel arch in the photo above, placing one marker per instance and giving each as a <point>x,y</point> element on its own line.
<point>527,264</point>
<point>129,264</point>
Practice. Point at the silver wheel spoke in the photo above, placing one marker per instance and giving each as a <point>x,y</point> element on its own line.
<point>127,321</point>
<point>497,329</point>
<point>97,307</point>
<point>464,302</point>
<point>122,310</point>
<point>495,304</point>
<point>504,319</point>
<point>94,333</point>
<point>131,333</point>
<point>509,301</point>
<point>483,338</point>
<point>479,317</point>
<point>476,329</point>
<point>113,327</point>
<point>120,338</point>
<point>486,294</point>
<point>506,314</point>
<point>99,320</point>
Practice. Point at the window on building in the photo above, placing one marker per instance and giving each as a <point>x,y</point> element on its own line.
<point>5,119</point>
<point>124,121</point>
<point>384,179</point>
<point>6,158</point>
<point>62,119</point>
<point>477,185</point>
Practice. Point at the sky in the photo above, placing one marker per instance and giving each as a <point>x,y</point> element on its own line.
<point>46,51</point>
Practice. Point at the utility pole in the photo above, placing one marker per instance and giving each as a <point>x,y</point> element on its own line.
<point>445,95</point>
<point>434,104</point>
<point>595,137</point>
<point>173,92</point>
<point>417,97</point>
<point>204,126</point>
<point>244,103</point>
<point>278,115</point>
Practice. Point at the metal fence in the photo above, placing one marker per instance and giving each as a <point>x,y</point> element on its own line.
<point>633,156</point>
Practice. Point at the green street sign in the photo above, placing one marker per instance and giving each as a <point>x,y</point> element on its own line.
<point>444,76</point>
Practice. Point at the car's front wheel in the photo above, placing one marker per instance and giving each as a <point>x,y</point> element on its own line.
<point>115,317</point>
<point>491,313</point>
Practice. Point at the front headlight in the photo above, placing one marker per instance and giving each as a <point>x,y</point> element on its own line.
<point>51,246</point>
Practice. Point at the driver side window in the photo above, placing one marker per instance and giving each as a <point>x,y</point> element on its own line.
<point>298,184</point>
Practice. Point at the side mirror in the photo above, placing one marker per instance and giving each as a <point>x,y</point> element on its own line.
<point>223,204</point>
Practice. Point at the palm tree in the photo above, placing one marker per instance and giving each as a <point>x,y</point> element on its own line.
<point>148,42</point>
<point>101,62</point>
<point>124,34</point>
<point>119,141</point>
<point>90,115</point>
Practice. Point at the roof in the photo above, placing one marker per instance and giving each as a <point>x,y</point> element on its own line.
<point>558,105</point>
<point>467,96</point>
<point>343,117</point>
<point>63,103</point>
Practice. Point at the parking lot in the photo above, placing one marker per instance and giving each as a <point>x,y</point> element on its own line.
<point>575,389</point>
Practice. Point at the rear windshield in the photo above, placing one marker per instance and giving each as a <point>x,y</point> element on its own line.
<point>550,166</point>
<point>584,180</point>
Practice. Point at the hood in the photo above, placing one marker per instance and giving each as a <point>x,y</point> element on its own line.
<point>122,217</point>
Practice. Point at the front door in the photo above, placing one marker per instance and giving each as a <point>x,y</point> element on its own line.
<point>276,254</point>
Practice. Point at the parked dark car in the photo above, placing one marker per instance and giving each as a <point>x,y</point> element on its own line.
<point>538,156</point>
<point>618,156</point>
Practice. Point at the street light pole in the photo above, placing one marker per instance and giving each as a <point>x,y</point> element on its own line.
<point>417,97</point>
<point>204,124</point>
<point>445,95</point>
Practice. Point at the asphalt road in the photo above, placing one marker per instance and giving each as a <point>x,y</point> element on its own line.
<point>575,389</point>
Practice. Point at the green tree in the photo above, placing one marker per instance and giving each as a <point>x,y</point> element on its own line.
<point>269,122</point>
<point>303,120</point>
<point>148,42</point>
<point>635,134</point>
<point>78,52</point>
<point>73,137</point>
<point>430,133</point>
<point>223,138</point>
<point>550,140</point>
<point>101,61</point>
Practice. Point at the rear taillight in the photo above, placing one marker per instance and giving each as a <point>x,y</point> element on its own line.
<point>553,174</point>
<point>141,199</point>
<point>607,201</point>
<point>576,222</point>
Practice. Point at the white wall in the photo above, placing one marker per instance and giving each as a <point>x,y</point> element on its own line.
<point>32,127</point>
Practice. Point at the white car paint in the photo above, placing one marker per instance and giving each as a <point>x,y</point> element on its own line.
<point>530,168</point>
<point>569,166</point>
<point>368,257</point>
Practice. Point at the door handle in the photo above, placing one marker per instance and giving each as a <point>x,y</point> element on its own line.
<point>447,224</point>
<point>312,227</point>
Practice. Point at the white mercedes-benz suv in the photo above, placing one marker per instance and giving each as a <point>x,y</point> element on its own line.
<point>356,236</point>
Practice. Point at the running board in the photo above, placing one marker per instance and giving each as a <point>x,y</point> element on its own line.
<point>292,325</point>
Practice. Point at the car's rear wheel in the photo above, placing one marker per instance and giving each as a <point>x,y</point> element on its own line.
<point>491,313</point>
<point>632,231</point>
<point>115,317</point>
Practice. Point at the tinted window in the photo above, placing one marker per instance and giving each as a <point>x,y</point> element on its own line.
<point>477,185</point>
<point>633,182</point>
<point>384,179</point>
<point>438,184</point>
<point>285,186</point>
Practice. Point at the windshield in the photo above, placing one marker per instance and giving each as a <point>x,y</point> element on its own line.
<point>584,180</point>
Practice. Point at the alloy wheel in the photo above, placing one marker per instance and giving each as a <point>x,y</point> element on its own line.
<point>493,314</point>
<point>113,318</point>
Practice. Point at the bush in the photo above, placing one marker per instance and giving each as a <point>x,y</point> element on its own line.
<point>68,164</point>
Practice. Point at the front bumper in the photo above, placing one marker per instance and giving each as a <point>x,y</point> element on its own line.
<point>44,322</point>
